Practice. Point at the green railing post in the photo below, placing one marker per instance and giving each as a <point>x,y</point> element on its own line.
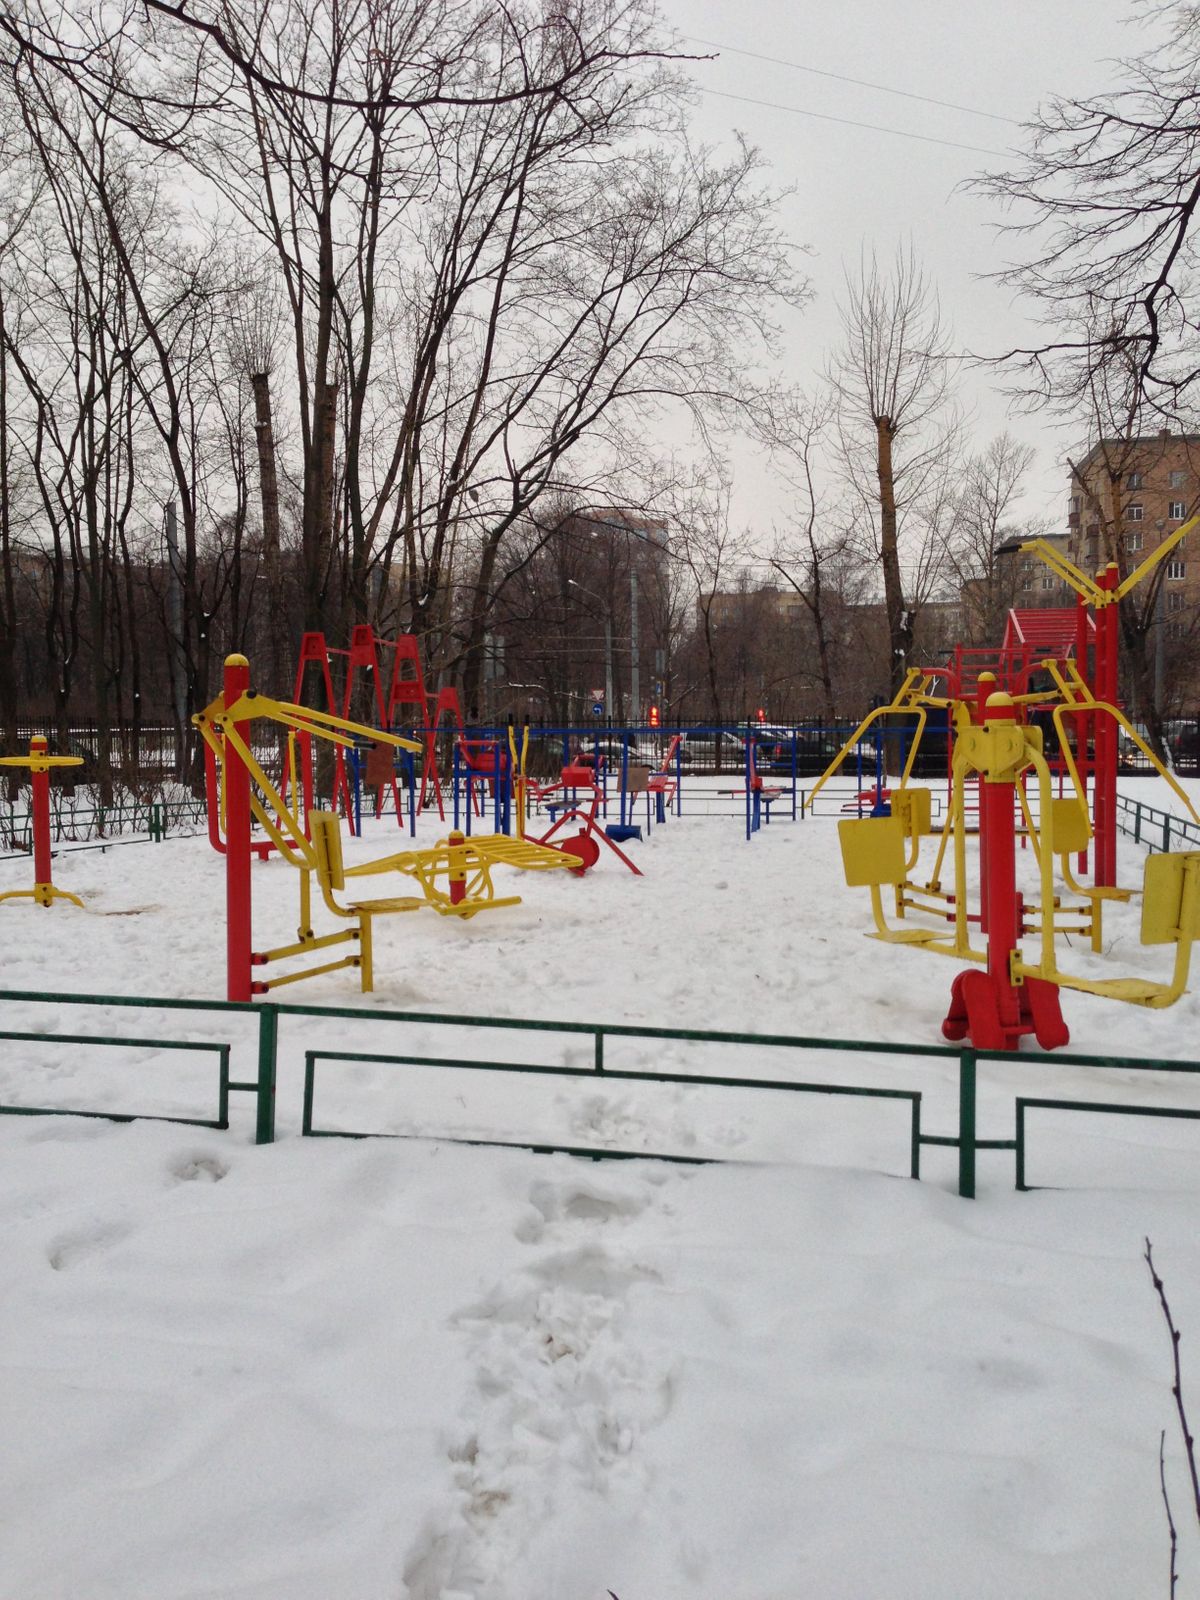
<point>1020,1143</point>
<point>599,1055</point>
<point>268,1039</point>
<point>1167,832</point>
<point>966,1124</point>
<point>914,1158</point>
<point>156,825</point>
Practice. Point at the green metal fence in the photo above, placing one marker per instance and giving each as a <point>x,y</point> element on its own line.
<point>221,1051</point>
<point>1155,828</point>
<point>620,1075</point>
<point>268,1017</point>
<point>77,824</point>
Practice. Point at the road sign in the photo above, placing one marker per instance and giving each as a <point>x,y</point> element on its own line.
<point>597,694</point>
<point>598,708</point>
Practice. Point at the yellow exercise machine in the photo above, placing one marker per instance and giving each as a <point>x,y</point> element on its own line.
<point>996,751</point>
<point>39,763</point>
<point>453,877</point>
<point>1014,996</point>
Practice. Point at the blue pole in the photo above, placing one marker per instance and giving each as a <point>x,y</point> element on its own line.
<point>456,779</point>
<point>794,774</point>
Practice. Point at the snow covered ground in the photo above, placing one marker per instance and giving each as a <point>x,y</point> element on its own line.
<point>424,1371</point>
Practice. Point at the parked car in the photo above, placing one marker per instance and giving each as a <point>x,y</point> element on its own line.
<point>699,749</point>
<point>1185,749</point>
<point>772,748</point>
<point>609,750</point>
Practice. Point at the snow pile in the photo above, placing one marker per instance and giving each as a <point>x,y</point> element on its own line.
<point>413,1370</point>
<point>418,1372</point>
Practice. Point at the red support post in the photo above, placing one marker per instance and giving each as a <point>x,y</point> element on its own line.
<point>985,686</point>
<point>1082,718</point>
<point>998,857</point>
<point>990,1008</point>
<point>457,872</point>
<point>237,842</point>
<point>39,782</point>
<point>1107,688</point>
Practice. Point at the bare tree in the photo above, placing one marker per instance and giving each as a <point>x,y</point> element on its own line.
<point>985,518</point>
<point>254,335</point>
<point>19,196</point>
<point>794,428</point>
<point>461,262</point>
<point>1108,196</point>
<point>891,380</point>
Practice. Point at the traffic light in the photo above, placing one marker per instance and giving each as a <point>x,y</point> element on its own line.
<point>762,714</point>
<point>654,716</point>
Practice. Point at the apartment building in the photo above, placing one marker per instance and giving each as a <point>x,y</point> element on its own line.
<point>1127,496</point>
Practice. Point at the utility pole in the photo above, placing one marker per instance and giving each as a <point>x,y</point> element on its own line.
<point>635,670</point>
<point>608,672</point>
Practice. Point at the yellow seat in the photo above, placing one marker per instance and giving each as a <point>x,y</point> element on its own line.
<point>1168,913</point>
<point>872,851</point>
<point>1071,826</point>
<point>326,831</point>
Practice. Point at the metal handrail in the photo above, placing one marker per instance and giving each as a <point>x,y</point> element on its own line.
<point>1153,827</point>
<point>966,1141</point>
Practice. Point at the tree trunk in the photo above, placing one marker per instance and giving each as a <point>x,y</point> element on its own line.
<point>8,593</point>
<point>268,481</point>
<point>899,623</point>
<point>318,511</point>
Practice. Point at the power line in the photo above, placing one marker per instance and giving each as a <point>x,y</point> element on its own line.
<point>862,83</point>
<point>849,122</point>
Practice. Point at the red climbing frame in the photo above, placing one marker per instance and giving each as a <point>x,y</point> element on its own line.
<point>408,689</point>
<point>406,704</point>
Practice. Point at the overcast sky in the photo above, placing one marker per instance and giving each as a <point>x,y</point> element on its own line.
<point>855,187</point>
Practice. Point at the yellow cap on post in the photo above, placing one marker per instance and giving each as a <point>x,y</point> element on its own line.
<point>999,705</point>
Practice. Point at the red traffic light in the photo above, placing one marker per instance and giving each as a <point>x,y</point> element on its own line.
<point>762,715</point>
<point>654,716</point>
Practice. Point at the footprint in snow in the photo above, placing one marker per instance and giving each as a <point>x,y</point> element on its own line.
<point>193,1166</point>
<point>585,1200</point>
<point>73,1249</point>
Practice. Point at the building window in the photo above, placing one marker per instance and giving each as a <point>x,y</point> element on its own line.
<point>1177,510</point>
<point>1077,502</point>
<point>1174,602</point>
<point>1134,481</point>
<point>1133,539</point>
<point>1175,631</point>
<point>1047,582</point>
<point>1133,513</point>
<point>1179,480</point>
<point>1175,569</point>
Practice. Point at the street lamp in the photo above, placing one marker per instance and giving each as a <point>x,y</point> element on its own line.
<point>608,659</point>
